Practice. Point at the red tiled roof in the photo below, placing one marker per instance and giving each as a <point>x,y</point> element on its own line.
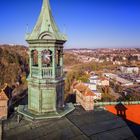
<point>89,92</point>
<point>132,112</point>
<point>103,78</point>
<point>3,96</point>
<point>84,89</point>
<point>74,84</point>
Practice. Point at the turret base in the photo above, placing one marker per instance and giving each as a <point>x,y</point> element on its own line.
<point>30,115</point>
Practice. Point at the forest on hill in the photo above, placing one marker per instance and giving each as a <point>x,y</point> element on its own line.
<point>70,59</point>
<point>13,64</point>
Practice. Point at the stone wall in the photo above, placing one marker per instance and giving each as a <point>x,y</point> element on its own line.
<point>3,109</point>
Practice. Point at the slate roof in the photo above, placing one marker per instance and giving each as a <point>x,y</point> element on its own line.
<point>78,125</point>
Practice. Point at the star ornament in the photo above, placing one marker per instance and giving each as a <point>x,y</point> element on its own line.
<point>46,57</point>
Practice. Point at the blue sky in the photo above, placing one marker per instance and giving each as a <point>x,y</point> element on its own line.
<point>88,23</point>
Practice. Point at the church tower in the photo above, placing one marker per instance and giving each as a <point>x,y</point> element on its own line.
<point>46,79</point>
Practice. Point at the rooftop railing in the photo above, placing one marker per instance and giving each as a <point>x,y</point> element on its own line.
<point>115,103</point>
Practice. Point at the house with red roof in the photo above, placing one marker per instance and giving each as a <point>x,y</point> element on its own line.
<point>84,96</point>
<point>103,81</point>
<point>99,81</point>
<point>3,105</point>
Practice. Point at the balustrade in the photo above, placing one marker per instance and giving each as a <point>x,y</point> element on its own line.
<point>35,71</point>
<point>47,72</point>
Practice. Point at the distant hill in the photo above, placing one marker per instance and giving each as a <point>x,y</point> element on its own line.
<point>13,63</point>
<point>70,59</point>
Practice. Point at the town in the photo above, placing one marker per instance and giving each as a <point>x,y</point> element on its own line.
<point>52,92</point>
<point>120,79</point>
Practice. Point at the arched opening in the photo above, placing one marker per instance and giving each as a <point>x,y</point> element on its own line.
<point>34,56</point>
<point>46,35</point>
<point>46,58</point>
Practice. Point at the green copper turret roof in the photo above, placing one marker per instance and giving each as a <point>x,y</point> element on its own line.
<point>45,27</point>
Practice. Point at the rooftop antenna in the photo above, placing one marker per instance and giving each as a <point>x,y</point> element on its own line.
<point>27,28</point>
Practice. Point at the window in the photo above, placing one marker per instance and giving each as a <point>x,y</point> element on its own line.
<point>34,56</point>
<point>58,52</point>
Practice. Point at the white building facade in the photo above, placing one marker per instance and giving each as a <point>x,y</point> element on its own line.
<point>129,69</point>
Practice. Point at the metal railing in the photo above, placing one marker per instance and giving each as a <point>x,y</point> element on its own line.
<point>115,103</point>
<point>47,72</point>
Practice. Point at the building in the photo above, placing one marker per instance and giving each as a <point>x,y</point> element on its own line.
<point>92,86</point>
<point>5,98</point>
<point>46,79</point>
<point>118,62</point>
<point>98,95</point>
<point>103,82</point>
<point>118,80</point>
<point>84,96</point>
<point>129,69</point>
<point>137,80</point>
<point>8,90</point>
<point>3,105</point>
<point>95,80</point>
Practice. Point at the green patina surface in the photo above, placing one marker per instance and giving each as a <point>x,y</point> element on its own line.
<point>46,24</point>
<point>46,79</point>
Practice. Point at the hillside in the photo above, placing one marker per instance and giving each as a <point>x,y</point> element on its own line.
<point>13,64</point>
<point>70,59</point>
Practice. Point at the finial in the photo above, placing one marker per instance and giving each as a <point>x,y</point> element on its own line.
<point>27,28</point>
